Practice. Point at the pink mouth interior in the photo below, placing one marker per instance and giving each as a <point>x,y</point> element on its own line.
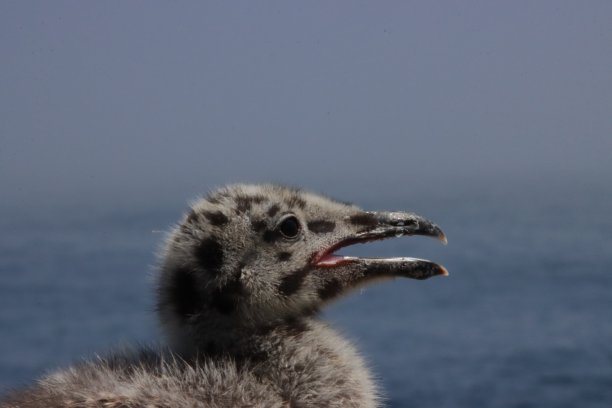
<point>326,257</point>
<point>333,260</point>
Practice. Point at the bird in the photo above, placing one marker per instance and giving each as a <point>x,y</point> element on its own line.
<point>242,278</point>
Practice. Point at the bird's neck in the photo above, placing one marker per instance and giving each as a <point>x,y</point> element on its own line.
<point>230,337</point>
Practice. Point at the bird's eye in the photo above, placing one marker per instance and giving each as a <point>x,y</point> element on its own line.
<point>289,227</point>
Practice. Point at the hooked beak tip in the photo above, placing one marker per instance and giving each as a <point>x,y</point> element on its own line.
<point>443,270</point>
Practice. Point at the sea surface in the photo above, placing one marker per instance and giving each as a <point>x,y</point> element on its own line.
<point>523,320</point>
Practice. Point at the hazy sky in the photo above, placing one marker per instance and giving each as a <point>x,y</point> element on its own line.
<point>133,102</point>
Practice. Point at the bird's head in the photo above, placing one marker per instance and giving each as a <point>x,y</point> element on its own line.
<point>254,255</point>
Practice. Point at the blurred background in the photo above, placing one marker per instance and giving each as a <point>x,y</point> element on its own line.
<point>494,119</point>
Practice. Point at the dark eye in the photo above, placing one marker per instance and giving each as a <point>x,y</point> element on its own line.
<point>289,227</point>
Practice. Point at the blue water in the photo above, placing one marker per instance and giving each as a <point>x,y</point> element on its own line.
<point>524,319</point>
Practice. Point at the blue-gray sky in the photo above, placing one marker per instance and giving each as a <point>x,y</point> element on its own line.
<point>126,103</point>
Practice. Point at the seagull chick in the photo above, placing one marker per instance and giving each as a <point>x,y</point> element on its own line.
<point>242,279</point>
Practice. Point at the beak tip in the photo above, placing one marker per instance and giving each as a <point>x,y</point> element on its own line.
<point>442,237</point>
<point>444,271</point>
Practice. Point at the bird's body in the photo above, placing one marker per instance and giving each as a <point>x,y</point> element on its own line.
<point>242,279</point>
<point>299,367</point>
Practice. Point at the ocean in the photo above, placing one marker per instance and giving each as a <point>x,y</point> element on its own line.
<point>523,320</point>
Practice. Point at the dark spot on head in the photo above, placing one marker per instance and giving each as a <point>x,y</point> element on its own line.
<point>226,298</point>
<point>284,256</point>
<point>258,199</point>
<point>364,219</point>
<point>210,255</point>
<point>330,290</point>
<point>192,217</point>
<point>258,225</point>
<point>292,282</point>
<point>296,201</point>
<point>271,235</point>
<point>321,226</point>
<point>216,218</point>
<point>273,210</point>
<point>223,302</point>
<point>182,293</point>
<point>243,203</point>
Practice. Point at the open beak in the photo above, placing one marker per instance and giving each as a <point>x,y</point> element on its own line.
<point>383,225</point>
